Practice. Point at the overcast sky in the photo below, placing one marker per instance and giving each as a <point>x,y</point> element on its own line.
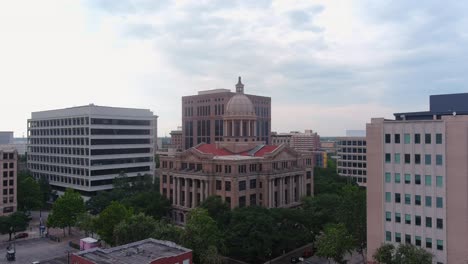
<point>327,65</point>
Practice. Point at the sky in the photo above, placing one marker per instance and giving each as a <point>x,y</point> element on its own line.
<point>327,65</point>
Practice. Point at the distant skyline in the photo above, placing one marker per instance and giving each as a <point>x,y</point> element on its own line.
<point>330,64</point>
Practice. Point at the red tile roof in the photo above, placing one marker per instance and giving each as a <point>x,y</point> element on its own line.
<point>212,149</point>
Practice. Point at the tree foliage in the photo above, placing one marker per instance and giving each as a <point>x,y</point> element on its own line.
<point>218,210</point>
<point>334,243</point>
<point>201,233</point>
<point>109,218</point>
<point>86,223</point>
<point>66,210</point>
<point>150,203</point>
<point>18,221</point>
<point>29,193</point>
<point>388,254</point>
<point>135,228</point>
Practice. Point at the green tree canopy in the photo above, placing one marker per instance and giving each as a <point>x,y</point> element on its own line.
<point>66,210</point>
<point>29,193</point>
<point>218,210</point>
<point>150,203</point>
<point>334,243</point>
<point>201,233</point>
<point>109,218</point>
<point>135,228</point>
<point>18,221</point>
<point>388,254</point>
<point>86,223</point>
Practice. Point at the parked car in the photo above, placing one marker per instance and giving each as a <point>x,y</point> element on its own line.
<point>21,235</point>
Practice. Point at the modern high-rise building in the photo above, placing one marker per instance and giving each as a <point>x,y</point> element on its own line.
<point>8,171</point>
<point>241,169</point>
<point>307,141</point>
<point>86,147</point>
<point>202,116</point>
<point>351,158</point>
<point>417,186</point>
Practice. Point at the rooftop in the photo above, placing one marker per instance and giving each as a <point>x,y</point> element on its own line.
<point>258,151</point>
<point>143,251</point>
<point>92,109</point>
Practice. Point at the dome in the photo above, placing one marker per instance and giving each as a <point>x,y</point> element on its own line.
<point>240,105</point>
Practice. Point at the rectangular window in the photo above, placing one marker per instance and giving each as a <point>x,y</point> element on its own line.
<point>428,180</point>
<point>417,199</point>
<point>407,198</point>
<point>388,216</point>
<point>440,223</point>
<point>397,158</point>
<point>417,158</point>
<point>438,138</point>
<point>428,201</point>
<point>253,184</point>
<point>428,221</point>
<point>397,198</point>
<point>218,185</point>
<point>417,220</point>
<point>227,186</point>
<point>398,237</point>
<point>417,179</point>
<point>427,138</point>
<point>397,217</point>
<point>417,241</point>
<point>440,244</point>
<point>397,138</point>
<point>408,219</point>
<point>428,242</point>
<point>439,160</point>
<point>407,138</point>
<point>242,186</point>
<point>388,158</point>
<point>427,159</point>
<point>407,239</point>
<point>388,177</point>
<point>388,138</point>
<point>439,202</point>
<point>388,196</point>
<point>439,181</point>
<point>417,138</point>
<point>407,158</point>
<point>407,178</point>
<point>397,178</point>
<point>388,236</point>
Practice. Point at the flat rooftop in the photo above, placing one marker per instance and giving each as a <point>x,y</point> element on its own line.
<point>93,109</point>
<point>138,252</point>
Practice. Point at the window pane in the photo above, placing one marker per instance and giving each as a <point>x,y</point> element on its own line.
<point>388,158</point>
<point>438,138</point>
<point>428,201</point>
<point>439,202</point>
<point>417,158</point>
<point>439,181</point>
<point>428,221</point>
<point>417,179</point>
<point>440,223</point>
<point>407,158</point>
<point>407,178</point>
<point>417,241</point>
<point>427,138</point>
<point>397,178</point>
<point>407,198</point>
<point>428,242</point>
<point>417,199</point>
<point>439,160</point>
<point>427,159</point>
<point>428,180</point>
<point>388,177</point>
<point>397,198</point>
<point>440,244</point>
<point>388,216</point>
<point>408,219</point>
<point>397,138</point>
<point>388,138</point>
<point>407,139</point>
<point>388,236</point>
<point>397,158</point>
<point>397,217</point>
<point>417,138</point>
<point>388,196</point>
<point>398,237</point>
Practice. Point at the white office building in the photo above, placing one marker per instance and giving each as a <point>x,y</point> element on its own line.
<point>84,148</point>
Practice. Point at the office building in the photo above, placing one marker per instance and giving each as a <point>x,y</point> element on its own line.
<point>6,137</point>
<point>417,186</point>
<point>202,116</point>
<point>8,170</point>
<point>240,169</point>
<point>176,139</point>
<point>149,251</point>
<point>307,141</point>
<point>351,158</point>
<point>86,147</point>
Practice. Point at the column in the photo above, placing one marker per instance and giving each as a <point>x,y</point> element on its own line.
<point>232,128</point>
<point>207,188</point>
<point>241,128</point>
<point>176,191</point>
<point>291,189</point>
<point>202,186</point>
<point>194,193</point>
<point>187,193</point>
<point>271,198</point>
<point>281,192</point>
<point>255,128</point>
<point>225,131</point>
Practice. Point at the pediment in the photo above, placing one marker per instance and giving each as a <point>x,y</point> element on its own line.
<point>284,153</point>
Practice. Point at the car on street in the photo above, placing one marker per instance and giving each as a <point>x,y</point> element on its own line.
<point>21,235</point>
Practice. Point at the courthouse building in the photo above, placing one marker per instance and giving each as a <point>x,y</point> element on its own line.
<point>241,169</point>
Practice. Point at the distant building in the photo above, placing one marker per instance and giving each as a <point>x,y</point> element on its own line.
<point>321,159</point>
<point>6,137</point>
<point>86,147</point>
<point>307,141</point>
<point>351,158</point>
<point>149,251</point>
<point>355,133</point>
<point>417,187</point>
<point>176,140</point>
<point>8,170</point>
<point>202,116</point>
<point>329,146</point>
<point>164,143</point>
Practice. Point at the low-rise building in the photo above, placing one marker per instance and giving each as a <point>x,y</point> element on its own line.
<point>8,170</point>
<point>351,158</point>
<point>150,251</point>
<point>307,141</point>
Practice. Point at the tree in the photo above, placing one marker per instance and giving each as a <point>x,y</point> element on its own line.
<point>66,210</point>
<point>166,231</point>
<point>29,193</point>
<point>15,222</point>
<point>135,228</point>
<point>109,218</point>
<point>150,203</point>
<point>334,243</point>
<point>250,234</point>
<point>103,199</point>
<point>352,213</point>
<point>218,210</point>
<point>46,191</point>
<point>388,254</point>
<point>86,223</point>
<point>201,232</point>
